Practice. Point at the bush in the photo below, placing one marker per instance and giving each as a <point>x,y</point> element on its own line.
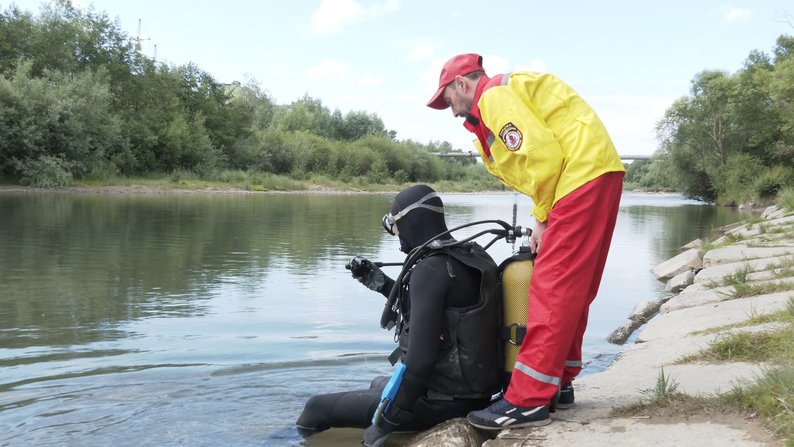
<point>771,182</point>
<point>786,198</point>
<point>44,172</point>
<point>734,181</point>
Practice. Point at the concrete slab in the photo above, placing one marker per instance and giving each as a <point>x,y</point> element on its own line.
<point>683,262</point>
<point>683,322</point>
<point>737,253</point>
<point>718,272</point>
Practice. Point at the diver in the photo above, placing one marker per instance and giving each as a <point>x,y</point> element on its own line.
<point>446,322</point>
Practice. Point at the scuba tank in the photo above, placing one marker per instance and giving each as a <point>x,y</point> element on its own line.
<point>515,274</point>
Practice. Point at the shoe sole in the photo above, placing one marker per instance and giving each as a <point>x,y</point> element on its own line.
<point>560,406</point>
<point>539,423</point>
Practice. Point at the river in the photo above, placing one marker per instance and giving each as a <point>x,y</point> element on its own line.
<point>209,319</point>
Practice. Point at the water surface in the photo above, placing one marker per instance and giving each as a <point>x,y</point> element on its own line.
<point>189,319</point>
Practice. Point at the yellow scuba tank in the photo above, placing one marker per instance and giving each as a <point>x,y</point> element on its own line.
<point>516,273</point>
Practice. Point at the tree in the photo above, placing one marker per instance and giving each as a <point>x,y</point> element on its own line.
<point>356,125</point>
<point>68,117</point>
<point>309,115</point>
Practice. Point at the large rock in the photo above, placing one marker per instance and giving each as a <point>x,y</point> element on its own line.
<point>678,282</point>
<point>688,260</point>
<point>772,212</point>
<point>639,315</point>
<point>697,243</point>
<point>621,334</point>
<point>452,433</point>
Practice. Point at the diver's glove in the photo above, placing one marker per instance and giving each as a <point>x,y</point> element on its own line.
<point>367,273</point>
<point>388,416</point>
<point>378,432</point>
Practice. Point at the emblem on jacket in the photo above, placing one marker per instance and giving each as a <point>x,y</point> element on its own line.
<point>511,136</point>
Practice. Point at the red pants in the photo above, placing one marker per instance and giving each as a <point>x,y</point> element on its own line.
<point>565,281</point>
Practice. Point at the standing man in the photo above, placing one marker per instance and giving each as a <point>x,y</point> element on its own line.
<point>539,137</point>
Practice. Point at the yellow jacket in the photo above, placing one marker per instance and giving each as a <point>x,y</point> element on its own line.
<point>539,137</point>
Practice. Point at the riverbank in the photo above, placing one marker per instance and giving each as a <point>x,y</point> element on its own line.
<point>635,401</point>
<point>243,183</point>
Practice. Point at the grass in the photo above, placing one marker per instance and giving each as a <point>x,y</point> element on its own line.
<point>754,220</point>
<point>752,346</point>
<point>770,398</point>
<point>726,240</point>
<point>186,180</point>
<point>786,199</point>
<point>737,278</point>
<point>745,289</point>
<point>663,395</point>
<point>784,268</point>
<point>230,180</point>
<point>663,392</point>
<point>742,287</point>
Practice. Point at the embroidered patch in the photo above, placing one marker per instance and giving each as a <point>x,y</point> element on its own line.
<point>511,136</point>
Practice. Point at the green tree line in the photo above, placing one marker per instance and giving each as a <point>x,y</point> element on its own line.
<point>731,140</point>
<point>78,101</point>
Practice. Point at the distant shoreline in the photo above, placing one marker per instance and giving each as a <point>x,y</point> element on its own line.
<point>159,190</point>
<point>313,189</point>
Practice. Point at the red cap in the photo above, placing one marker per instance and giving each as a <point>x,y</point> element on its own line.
<point>460,65</point>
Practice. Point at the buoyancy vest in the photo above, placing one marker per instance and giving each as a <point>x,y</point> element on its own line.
<point>468,363</point>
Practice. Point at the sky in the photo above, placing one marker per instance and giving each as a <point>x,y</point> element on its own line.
<point>630,60</point>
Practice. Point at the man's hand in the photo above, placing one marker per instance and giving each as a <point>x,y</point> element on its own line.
<point>537,235</point>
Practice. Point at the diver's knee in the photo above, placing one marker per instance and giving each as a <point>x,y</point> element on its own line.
<point>312,418</point>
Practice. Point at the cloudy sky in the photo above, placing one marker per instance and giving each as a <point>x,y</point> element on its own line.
<point>629,59</point>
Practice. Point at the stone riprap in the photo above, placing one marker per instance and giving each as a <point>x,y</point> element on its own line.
<point>686,323</point>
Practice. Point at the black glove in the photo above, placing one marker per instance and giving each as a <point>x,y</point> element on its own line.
<point>367,273</point>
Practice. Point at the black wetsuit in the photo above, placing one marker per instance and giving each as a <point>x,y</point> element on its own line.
<point>437,283</point>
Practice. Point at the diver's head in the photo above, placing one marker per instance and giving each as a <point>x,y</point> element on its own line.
<point>418,215</point>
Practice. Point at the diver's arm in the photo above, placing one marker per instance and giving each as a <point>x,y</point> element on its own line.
<point>387,286</point>
<point>428,288</point>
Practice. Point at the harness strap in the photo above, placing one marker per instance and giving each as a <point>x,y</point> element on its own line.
<point>514,333</point>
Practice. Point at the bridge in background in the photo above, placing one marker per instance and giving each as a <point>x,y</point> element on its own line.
<point>472,154</point>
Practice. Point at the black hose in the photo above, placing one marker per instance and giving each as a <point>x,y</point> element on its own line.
<point>389,316</point>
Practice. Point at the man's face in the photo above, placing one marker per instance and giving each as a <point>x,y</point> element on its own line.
<point>458,101</point>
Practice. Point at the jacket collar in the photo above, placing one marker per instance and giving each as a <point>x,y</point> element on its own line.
<point>473,118</point>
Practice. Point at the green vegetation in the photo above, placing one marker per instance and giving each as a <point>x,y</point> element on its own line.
<point>742,287</point>
<point>79,104</point>
<point>664,391</point>
<point>663,395</point>
<point>732,139</point>
<point>786,199</point>
<point>770,397</point>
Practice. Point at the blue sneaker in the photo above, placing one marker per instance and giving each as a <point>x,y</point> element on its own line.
<point>565,401</point>
<point>502,414</point>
